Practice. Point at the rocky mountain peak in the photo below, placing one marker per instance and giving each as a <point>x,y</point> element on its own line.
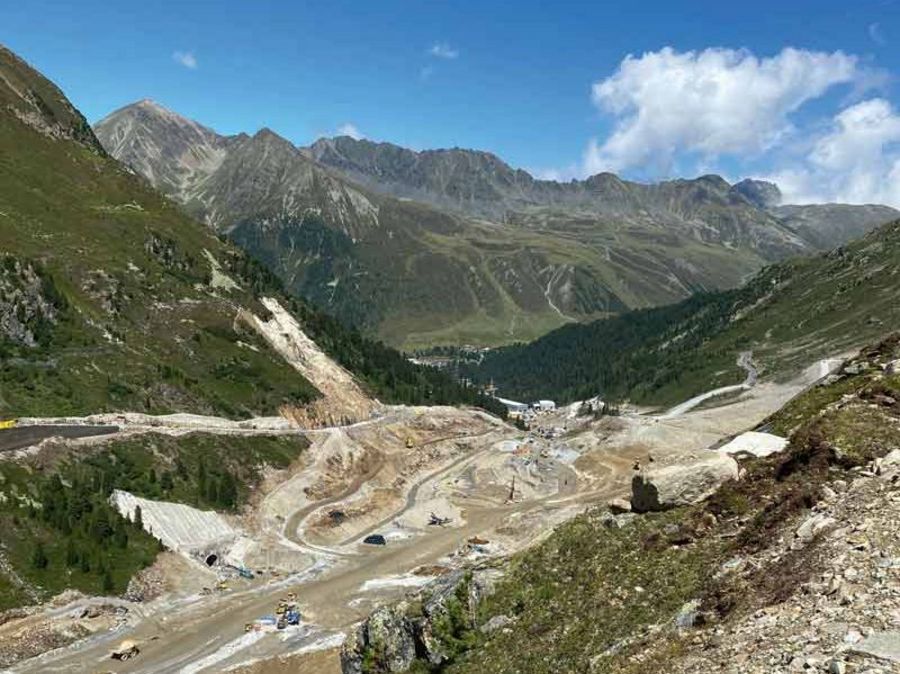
<point>172,151</point>
<point>761,193</point>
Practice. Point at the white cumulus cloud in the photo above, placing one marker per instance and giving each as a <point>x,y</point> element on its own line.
<point>185,58</point>
<point>442,50</point>
<point>707,103</point>
<point>857,160</point>
<point>351,130</point>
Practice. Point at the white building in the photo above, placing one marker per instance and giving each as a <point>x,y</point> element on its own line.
<point>514,407</point>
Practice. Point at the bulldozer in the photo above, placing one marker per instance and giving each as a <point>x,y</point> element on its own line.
<point>127,649</point>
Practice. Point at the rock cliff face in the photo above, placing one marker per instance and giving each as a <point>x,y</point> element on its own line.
<point>394,637</point>
<point>40,104</point>
<point>29,303</point>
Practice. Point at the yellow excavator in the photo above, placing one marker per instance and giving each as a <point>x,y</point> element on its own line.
<point>9,423</point>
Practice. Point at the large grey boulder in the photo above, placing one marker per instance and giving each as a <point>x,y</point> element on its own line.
<point>884,645</point>
<point>385,641</point>
<point>682,484</point>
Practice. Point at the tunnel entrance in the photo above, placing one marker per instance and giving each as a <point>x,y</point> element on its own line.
<point>211,560</point>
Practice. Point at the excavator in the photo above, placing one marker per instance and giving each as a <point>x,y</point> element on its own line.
<point>436,521</point>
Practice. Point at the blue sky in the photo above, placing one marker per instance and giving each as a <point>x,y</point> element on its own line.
<point>523,79</point>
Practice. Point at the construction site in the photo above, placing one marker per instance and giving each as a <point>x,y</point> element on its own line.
<point>384,500</point>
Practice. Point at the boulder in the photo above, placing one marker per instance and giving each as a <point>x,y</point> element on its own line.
<point>813,526</point>
<point>681,484</point>
<point>496,623</point>
<point>386,639</point>
<point>755,443</point>
<point>883,645</point>
<point>617,506</point>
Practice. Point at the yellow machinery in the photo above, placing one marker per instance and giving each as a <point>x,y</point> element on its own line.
<point>9,423</point>
<point>126,651</point>
<point>409,443</point>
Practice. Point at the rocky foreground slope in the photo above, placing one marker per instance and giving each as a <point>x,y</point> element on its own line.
<point>454,246</point>
<point>789,568</point>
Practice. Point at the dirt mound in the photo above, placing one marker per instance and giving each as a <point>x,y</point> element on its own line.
<point>342,402</point>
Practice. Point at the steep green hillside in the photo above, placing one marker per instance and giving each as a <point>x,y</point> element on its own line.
<point>112,299</point>
<point>58,529</point>
<point>789,315</point>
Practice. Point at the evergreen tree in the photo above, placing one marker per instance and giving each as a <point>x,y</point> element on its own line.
<point>39,559</point>
<point>72,557</point>
<point>106,582</point>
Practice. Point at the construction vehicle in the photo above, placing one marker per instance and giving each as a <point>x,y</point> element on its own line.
<point>9,423</point>
<point>242,571</point>
<point>409,443</point>
<point>222,586</point>
<point>126,650</point>
<point>436,521</point>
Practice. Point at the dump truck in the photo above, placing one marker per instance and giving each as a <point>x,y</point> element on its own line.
<point>127,649</point>
<point>8,423</point>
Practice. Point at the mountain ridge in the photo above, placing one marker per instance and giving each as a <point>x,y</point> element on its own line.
<point>455,246</point>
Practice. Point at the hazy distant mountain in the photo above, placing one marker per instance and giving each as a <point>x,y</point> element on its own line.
<point>449,246</point>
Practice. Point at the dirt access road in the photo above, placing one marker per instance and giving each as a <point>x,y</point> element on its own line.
<point>20,437</point>
<point>206,635</point>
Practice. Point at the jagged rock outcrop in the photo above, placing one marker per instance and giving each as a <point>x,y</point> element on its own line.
<point>393,637</point>
<point>28,303</point>
<point>760,192</point>
<point>676,485</point>
<point>384,642</point>
<point>38,103</point>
